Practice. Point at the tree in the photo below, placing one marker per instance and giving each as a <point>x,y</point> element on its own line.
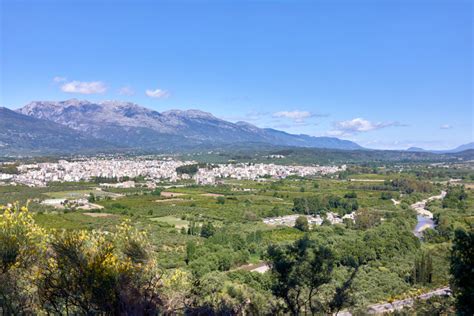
<point>386,195</point>
<point>366,219</point>
<point>156,192</point>
<point>188,169</point>
<point>301,223</point>
<point>220,200</point>
<point>300,270</point>
<point>207,230</point>
<point>91,198</point>
<point>350,195</point>
<point>190,251</point>
<point>423,269</point>
<point>462,263</point>
<point>455,197</point>
<point>193,228</point>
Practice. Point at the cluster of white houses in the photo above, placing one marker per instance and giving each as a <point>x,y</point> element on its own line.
<point>316,220</point>
<point>40,174</point>
<point>258,171</point>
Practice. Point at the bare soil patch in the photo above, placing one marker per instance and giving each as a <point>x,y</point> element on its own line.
<point>212,194</point>
<point>171,194</point>
<point>98,214</point>
<point>169,200</point>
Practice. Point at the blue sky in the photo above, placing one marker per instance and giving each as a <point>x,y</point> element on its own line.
<point>387,74</point>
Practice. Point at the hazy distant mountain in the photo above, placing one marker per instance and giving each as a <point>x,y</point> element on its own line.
<point>416,149</point>
<point>462,148</point>
<point>128,124</point>
<point>454,150</point>
<point>22,134</point>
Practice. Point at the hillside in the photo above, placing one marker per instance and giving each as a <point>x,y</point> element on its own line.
<point>22,134</point>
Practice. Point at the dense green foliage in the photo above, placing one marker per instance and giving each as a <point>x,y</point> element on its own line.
<point>188,169</point>
<point>317,206</point>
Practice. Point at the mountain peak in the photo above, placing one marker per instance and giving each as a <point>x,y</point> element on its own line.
<point>192,113</point>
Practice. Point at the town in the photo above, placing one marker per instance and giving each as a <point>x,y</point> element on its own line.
<point>152,170</point>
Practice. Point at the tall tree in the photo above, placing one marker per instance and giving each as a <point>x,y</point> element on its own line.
<point>300,270</point>
<point>462,270</point>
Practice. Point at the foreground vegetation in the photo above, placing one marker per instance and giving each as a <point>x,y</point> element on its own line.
<point>189,249</point>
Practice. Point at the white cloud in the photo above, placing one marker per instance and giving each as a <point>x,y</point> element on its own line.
<point>446,126</point>
<point>59,79</point>
<point>296,116</point>
<point>358,125</point>
<point>158,93</point>
<point>126,90</point>
<point>83,87</point>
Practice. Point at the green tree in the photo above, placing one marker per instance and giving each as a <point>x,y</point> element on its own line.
<point>91,198</point>
<point>462,263</point>
<point>220,200</point>
<point>190,251</point>
<point>207,230</point>
<point>299,271</point>
<point>301,223</point>
<point>423,269</point>
<point>350,195</point>
<point>156,192</point>
<point>386,195</point>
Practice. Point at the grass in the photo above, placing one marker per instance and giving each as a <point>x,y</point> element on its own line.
<point>75,220</point>
<point>74,194</point>
<point>171,220</point>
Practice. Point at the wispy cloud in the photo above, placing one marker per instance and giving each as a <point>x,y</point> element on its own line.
<point>296,116</point>
<point>446,126</point>
<point>358,125</point>
<point>83,87</point>
<point>157,93</point>
<point>126,90</point>
<point>59,79</point>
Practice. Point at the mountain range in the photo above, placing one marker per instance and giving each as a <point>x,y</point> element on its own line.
<point>128,125</point>
<point>80,126</point>
<point>21,134</point>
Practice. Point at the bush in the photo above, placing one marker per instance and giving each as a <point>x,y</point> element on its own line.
<point>301,223</point>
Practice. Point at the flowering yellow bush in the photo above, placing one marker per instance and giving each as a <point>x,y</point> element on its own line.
<point>43,272</point>
<point>21,240</point>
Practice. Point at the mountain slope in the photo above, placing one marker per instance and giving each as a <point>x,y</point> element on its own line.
<point>22,134</point>
<point>128,124</point>
<point>462,148</point>
<point>458,149</point>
